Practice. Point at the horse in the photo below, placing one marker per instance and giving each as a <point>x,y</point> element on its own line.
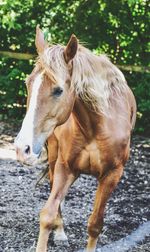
<point>80,104</point>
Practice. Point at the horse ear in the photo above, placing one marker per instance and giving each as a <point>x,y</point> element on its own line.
<point>71,48</point>
<point>39,40</point>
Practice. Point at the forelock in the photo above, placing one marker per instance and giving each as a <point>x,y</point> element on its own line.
<point>52,60</point>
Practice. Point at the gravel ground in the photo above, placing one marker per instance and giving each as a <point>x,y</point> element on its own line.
<point>126,211</point>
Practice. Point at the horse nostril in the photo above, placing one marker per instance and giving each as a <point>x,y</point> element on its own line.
<point>27,149</point>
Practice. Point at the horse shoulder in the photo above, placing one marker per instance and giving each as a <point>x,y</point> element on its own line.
<point>69,139</point>
<point>52,146</point>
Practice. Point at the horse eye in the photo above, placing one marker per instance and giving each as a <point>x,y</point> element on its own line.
<point>57,91</point>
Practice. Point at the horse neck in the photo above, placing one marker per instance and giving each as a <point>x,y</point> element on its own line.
<point>88,121</point>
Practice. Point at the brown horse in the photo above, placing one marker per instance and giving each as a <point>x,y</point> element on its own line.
<point>81,104</point>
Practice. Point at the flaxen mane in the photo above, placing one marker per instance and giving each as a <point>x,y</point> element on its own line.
<point>94,78</point>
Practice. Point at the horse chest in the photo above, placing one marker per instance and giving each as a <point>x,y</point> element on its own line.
<point>89,160</point>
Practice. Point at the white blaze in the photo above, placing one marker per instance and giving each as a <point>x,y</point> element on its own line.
<point>27,129</point>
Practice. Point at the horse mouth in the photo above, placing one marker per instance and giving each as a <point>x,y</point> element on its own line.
<point>31,160</point>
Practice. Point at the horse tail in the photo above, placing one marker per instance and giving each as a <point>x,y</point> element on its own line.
<point>133,112</point>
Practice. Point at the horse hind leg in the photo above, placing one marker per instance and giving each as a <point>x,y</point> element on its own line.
<point>104,190</point>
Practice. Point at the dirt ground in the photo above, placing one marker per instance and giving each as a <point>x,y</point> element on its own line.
<point>126,226</point>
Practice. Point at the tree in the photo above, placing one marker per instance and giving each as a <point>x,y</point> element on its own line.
<point>117,28</point>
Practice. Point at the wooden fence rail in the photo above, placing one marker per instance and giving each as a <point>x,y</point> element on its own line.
<point>28,56</point>
<point>19,56</point>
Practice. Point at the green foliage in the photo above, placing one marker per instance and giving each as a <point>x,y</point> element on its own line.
<point>141,89</point>
<point>12,87</point>
<point>117,28</point>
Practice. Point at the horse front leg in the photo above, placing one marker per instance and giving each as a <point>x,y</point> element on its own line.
<point>49,218</point>
<point>52,147</point>
<point>59,234</point>
<point>104,190</point>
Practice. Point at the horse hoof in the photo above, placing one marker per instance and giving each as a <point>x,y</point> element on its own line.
<point>60,236</point>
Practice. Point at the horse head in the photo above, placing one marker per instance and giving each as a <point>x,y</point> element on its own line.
<point>50,96</point>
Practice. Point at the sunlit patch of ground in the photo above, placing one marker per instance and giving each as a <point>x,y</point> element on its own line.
<point>7,154</point>
<point>130,241</point>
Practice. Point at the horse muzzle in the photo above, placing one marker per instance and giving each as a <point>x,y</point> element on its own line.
<point>25,154</point>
